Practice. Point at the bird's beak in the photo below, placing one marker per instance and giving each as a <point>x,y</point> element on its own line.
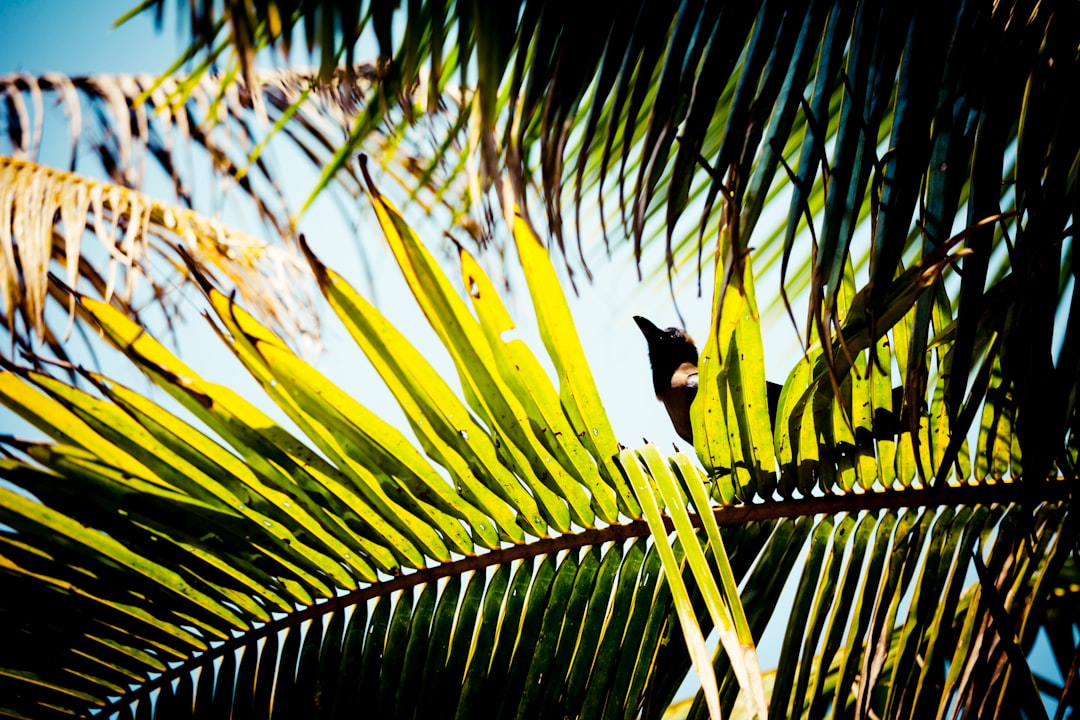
<point>650,331</point>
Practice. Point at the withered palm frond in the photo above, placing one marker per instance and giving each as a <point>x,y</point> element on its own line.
<point>183,122</point>
<point>193,133</point>
<point>43,220</point>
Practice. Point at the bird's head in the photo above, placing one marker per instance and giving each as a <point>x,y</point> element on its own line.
<point>668,349</point>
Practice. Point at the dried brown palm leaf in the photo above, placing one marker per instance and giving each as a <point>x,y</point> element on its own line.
<point>45,214</point>
<point>189,128</point>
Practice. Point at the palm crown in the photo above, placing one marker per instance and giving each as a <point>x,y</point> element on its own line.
<point>910,168</point>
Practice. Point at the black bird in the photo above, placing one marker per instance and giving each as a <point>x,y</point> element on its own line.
<point>674,372</point>
<point>674,357</point>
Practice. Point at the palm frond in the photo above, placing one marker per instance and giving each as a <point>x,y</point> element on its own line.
<point>194,133</point>
<point>47,213</point>
<point>355,506</point>
<point>895,133</point>
<point>232,563</point>
<point>885,101</point>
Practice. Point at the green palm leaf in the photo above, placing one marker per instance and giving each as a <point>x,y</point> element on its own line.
<point>224,532</point>
<point>265,551</point>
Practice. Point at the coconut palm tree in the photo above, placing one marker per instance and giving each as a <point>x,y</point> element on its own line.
<point>912,166</point>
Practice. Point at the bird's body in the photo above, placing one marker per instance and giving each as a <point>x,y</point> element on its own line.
<point>678,396</point>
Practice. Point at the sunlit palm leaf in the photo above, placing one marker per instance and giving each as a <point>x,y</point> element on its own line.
<point>645,471</point>
<point>232,534</point>
<point>892,126</point>
<point>217,550</point>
